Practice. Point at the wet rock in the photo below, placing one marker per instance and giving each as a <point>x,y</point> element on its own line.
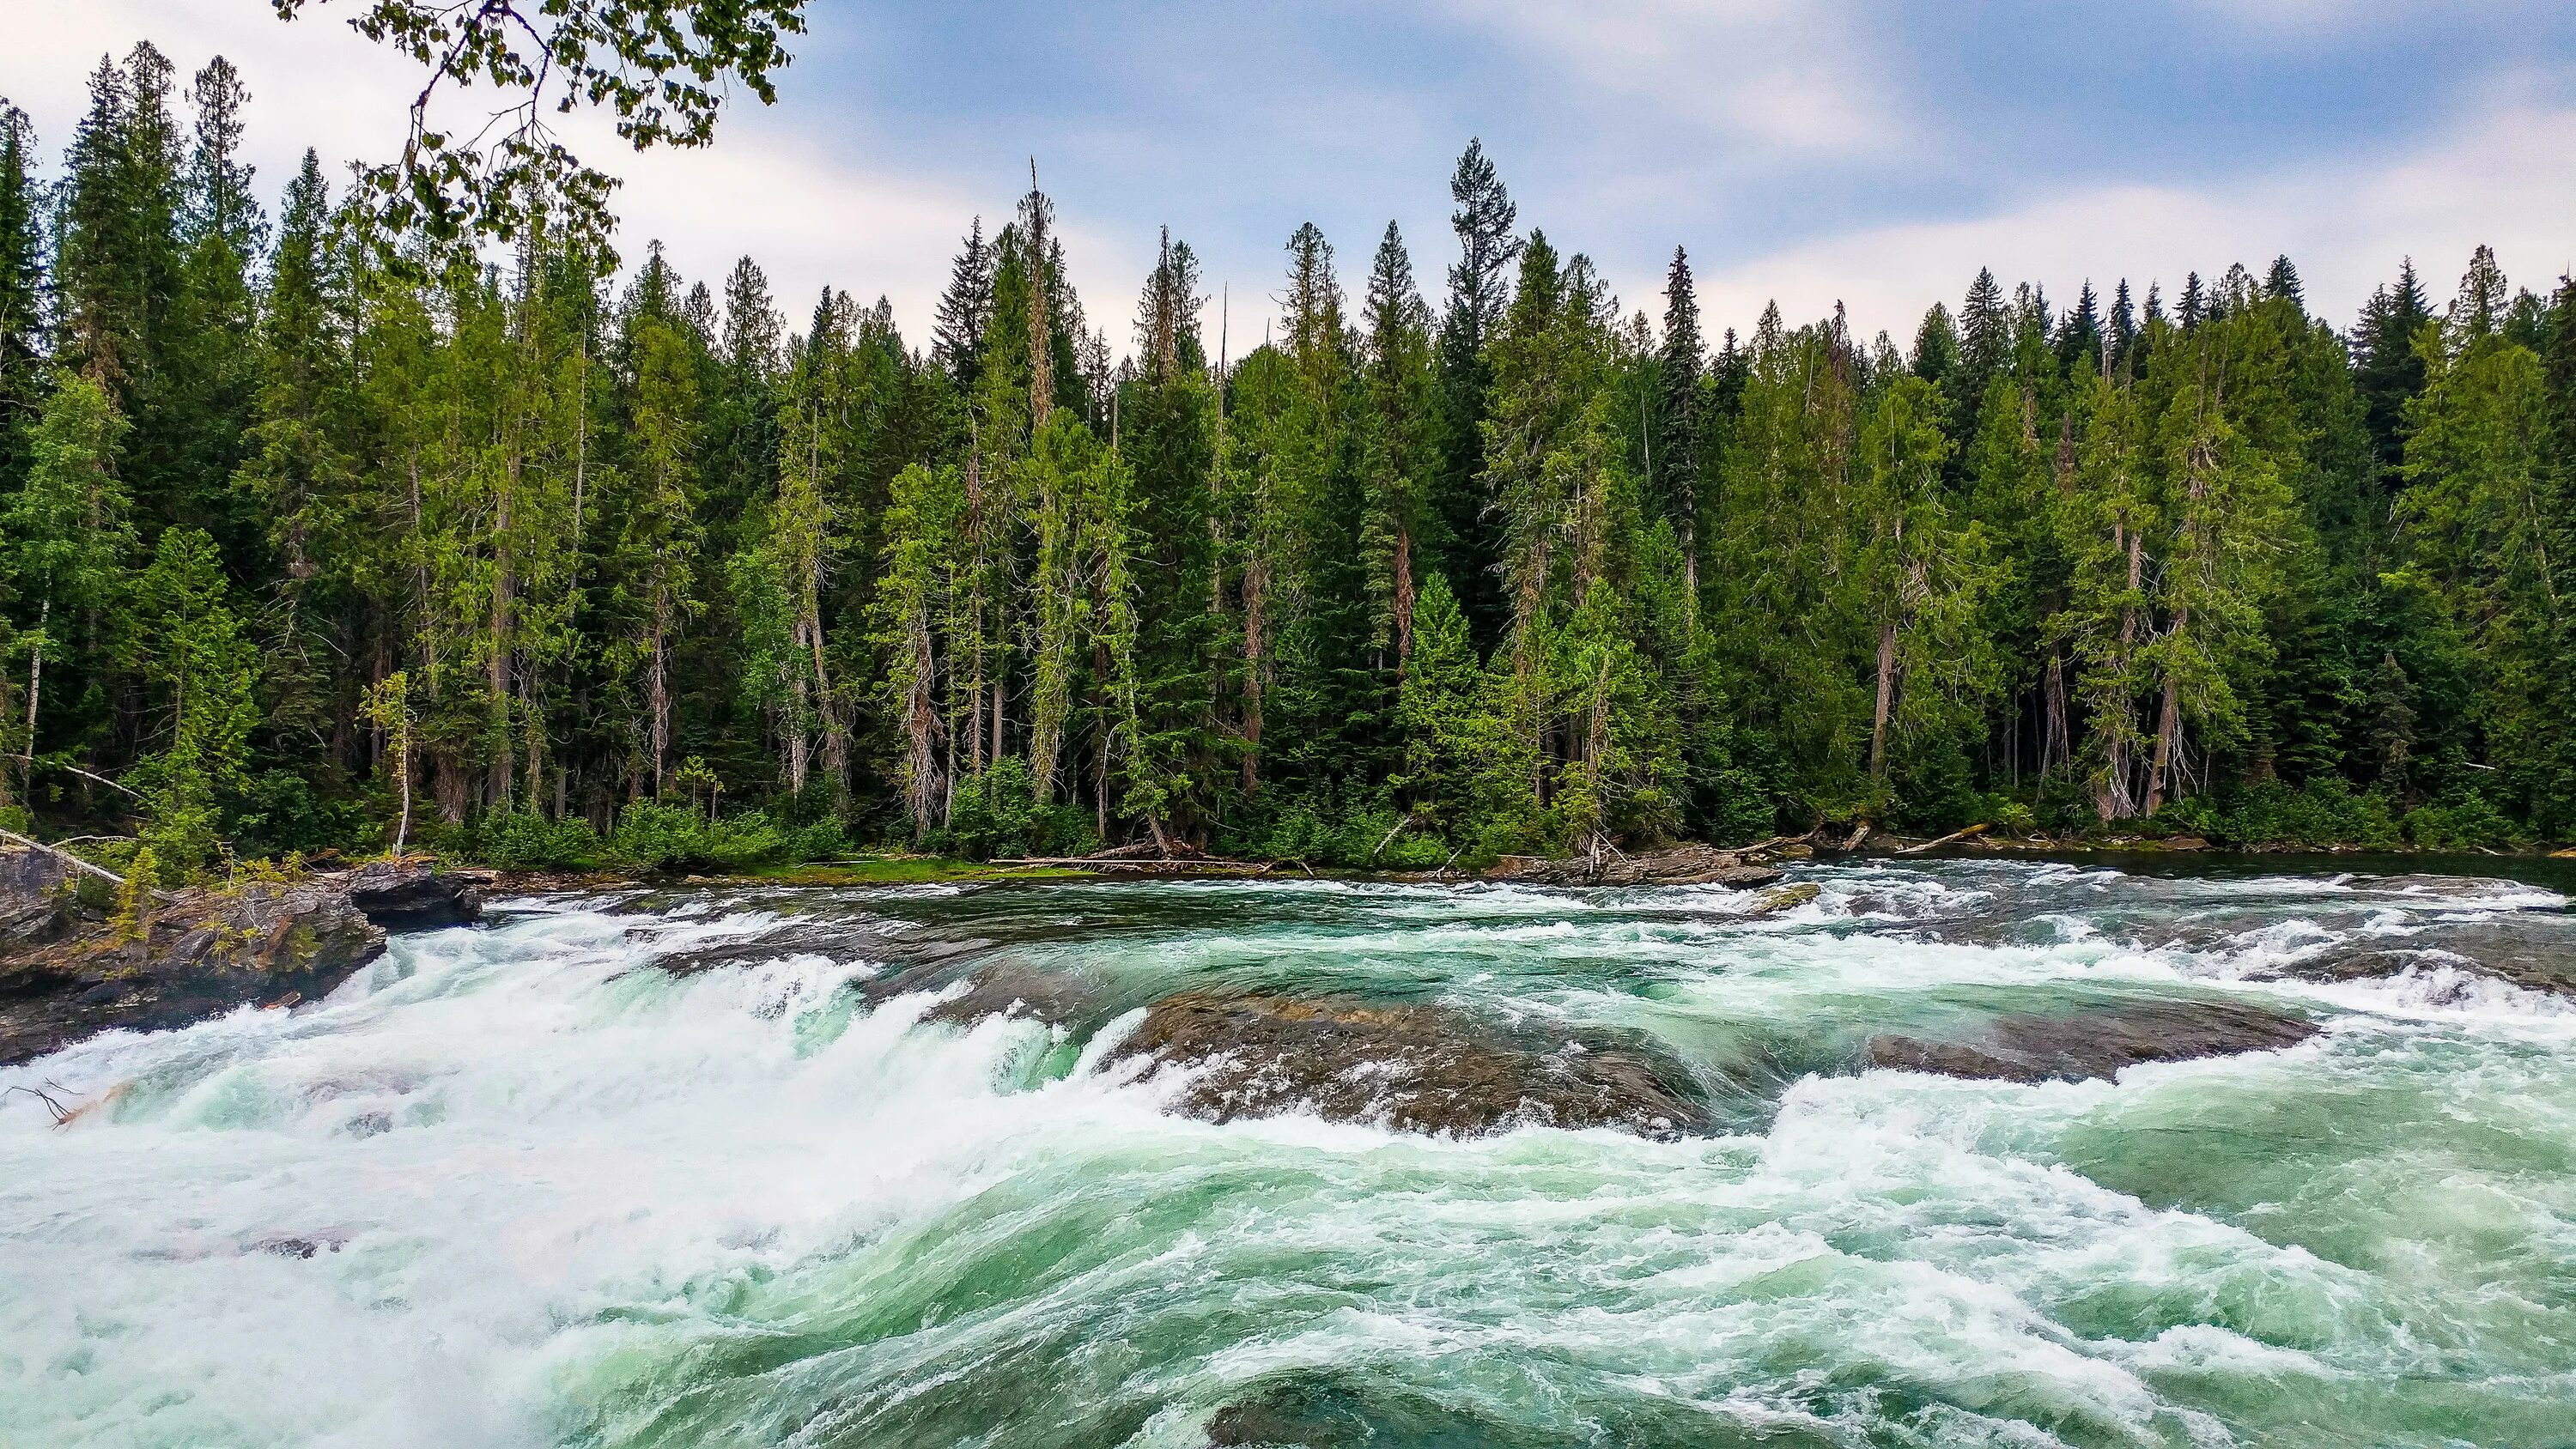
<point>197,955</point>
<point>415,896</point>
<point>1012,989</point>
<point>2497,960</point>
<point>2096,1042</point>
<point>1680,865</point>
<point>38,899</point>
<point>1409,1067</point>
<point>1786,897</point>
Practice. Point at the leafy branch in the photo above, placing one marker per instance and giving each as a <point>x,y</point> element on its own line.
<point>661,68</point>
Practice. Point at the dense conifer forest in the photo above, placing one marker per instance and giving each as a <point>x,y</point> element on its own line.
<point>547,562</point>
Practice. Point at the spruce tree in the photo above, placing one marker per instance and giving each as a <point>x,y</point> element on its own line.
<point>22,294</point>
<point>964,309</point>
<point>2387,370</point>
<point>1479,288</point>
<point>1674,466</point>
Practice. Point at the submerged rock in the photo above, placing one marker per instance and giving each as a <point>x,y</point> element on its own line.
<point>1680,865</point>
<point>198,954</point>
<point>415,896</point>
<point>2096,1042</point>
<point>1409,1067</point>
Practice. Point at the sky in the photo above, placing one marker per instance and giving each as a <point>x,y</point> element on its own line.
<point>1808,151</point>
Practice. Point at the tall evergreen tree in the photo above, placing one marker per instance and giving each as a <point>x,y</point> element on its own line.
<point>1479,288</point>
<point>1678,443</point>
<point>22,294</point>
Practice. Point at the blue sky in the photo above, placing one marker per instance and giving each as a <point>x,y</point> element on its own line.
<point>1810,150</point>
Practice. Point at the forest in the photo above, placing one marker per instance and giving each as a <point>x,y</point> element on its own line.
<point>554,559</point>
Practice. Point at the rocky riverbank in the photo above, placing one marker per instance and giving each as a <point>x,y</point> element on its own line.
<point>68,969</point>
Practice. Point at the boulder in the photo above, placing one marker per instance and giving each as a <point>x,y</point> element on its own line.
<point>198,954</point>
<point>1409,1067</point>
<point>2095,1042</point>
<point>38,902</point>
<point>416,896</point>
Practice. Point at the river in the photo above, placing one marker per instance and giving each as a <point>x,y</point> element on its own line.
<point>724,1166</point>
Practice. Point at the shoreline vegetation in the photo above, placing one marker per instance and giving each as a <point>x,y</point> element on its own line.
<point>309,550</point>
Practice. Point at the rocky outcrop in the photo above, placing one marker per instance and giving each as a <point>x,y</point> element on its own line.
<point>196,954</point>
<point>1680,865</point>
<point>415,896</point>
<point>2096,1042</point>
<point>38,902</point>
<point>1408,1067</point>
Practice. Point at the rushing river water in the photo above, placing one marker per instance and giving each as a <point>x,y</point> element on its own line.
<point>749,1168</point>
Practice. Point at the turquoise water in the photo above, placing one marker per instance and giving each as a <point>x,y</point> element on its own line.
<point>719,1168</point>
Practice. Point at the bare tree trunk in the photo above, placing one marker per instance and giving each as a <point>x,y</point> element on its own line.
<point>2055,747</point>
<point>448,777</point>
<point>2168,729</point>
<point>1256,601</point>
<point>921,785</point>
<point>1403,596</point>
<point>658,688</point>
<point>402,765</point>
<point>499,677</point>
<point>1886,699</point>
<point>35,691</point>
<point>1690,569</point>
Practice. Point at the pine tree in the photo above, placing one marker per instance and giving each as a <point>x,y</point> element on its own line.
<point>22,295</point>
<point>2480,307</point>
<point>1985,348</point>
<point>1479,289</point>
<point>964,310</point>
<point>2123,337</point>
<point>913,600</point>
<point>1398,445</point>
<point>2386,367</point>
<point>69,530</point>
<point>2282,283</point>
<point>1676,455</point>
<point>1921,573</point>
<point>2080,338</point>
<point>188,643</point>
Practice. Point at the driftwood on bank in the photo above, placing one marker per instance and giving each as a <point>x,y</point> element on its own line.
<point>1953,838</point>
<point>78,864</point>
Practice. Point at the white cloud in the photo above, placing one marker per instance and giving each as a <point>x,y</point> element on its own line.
<point>2507,179</point>
<point>815,200</point>
<point>1794,75</point>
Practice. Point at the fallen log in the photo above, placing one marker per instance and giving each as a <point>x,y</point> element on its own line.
<point>1952,838</point>
<point>1857,836</point>
<point>76,863</point>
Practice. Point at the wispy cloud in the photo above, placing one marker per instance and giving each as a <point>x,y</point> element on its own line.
<point>2507,179</point>
<point>1796,75</point>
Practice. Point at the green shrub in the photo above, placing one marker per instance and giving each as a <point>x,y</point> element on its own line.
<point>2466,823</point>
<point>670,838</point>
<point>2325,811</point>
<point>527,840</point>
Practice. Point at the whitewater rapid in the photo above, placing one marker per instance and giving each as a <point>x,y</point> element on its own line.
<point>727,1168</point>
